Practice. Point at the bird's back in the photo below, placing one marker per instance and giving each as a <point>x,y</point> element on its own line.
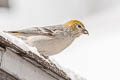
<point>48,40</point>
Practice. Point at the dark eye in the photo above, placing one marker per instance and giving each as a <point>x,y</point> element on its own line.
<point>79,26</point>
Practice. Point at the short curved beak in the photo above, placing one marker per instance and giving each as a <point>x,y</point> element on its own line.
<point>85,31</point>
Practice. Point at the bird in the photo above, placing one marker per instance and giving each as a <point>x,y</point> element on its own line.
<point>51,40</point>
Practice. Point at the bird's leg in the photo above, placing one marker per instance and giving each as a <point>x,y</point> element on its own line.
<point>42,53</point>
<point>45,56</point>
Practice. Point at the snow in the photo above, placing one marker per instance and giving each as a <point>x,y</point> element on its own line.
<point>24,46</point>
<point>19,42</point>
<point>70,73</point>
<point>73,75</point>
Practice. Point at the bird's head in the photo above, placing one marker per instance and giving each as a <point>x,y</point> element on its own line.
<point>76,27</point>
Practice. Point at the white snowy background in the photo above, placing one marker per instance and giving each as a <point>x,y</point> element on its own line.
<point>97,54</point>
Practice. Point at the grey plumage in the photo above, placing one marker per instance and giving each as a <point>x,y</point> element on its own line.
<point>51,40</point>
<point>34,31</point>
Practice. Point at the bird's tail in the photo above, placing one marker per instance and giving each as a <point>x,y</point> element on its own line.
<point>12,32</point>
<point>17,34</point>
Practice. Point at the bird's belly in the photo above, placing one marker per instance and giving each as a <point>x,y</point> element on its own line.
<point>49,46</point>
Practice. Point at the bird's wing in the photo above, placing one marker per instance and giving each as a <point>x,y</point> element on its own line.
<point>34,31</point>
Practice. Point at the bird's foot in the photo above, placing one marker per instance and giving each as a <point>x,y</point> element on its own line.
<point>45,56</point>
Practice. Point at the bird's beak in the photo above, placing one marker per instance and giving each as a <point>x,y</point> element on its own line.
<point>85,31</point>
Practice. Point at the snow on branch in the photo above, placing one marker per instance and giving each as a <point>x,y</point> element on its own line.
<point>30,54</point>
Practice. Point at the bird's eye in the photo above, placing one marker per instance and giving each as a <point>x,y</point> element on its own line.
<point>79,26</point>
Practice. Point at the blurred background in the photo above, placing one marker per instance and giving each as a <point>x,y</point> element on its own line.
<point>97,54</point>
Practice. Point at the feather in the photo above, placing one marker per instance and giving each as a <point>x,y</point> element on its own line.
<point>34,31</point>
